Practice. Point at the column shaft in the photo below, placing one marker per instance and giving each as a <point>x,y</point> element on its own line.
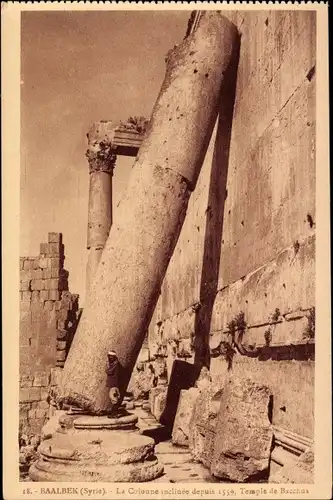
<point>151,214</point>
<point>101,163</point>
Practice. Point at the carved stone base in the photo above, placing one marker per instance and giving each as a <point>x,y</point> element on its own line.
<point>116,422</point>
<point>121,420</point>
<point>87,448</point>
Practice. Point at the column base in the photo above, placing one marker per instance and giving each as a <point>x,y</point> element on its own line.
<point>92,450</point>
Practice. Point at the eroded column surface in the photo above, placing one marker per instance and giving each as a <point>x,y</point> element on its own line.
<point>101,159</point>
<point>151,214</point>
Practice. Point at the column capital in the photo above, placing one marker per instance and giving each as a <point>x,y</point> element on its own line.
<point>101,151</point>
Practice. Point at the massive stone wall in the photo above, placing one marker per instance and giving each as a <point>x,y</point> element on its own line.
<point>48,318</point>
<point>248,243</point>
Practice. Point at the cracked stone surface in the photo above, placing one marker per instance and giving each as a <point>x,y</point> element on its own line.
<point>244,434</point>
<point>181,426</point>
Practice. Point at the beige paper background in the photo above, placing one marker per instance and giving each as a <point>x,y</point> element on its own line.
<point>13,489</point>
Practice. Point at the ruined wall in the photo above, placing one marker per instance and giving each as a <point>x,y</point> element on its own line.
<point>48,318</point>
<point>248,242</point>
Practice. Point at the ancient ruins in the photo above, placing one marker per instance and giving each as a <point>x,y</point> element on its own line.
<point>201,293</point>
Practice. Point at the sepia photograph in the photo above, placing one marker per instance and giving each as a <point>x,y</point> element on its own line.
<point>168,222</point>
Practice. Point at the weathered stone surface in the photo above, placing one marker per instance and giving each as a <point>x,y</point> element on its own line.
<point>26,381</point>
<point>97,456</point>
<point>296,471</point>
<point>44,295</point>
<point>181,426</point>
<point>41,379</point>
<point>159,405</point>
<point>151,214</point>
<point>29,394</point>
<point>123,421</point>
<point>144,380</point>
<point>266,273</point>
<point>55,237</point>
<point>157,400</point>
<point>101,158</point>
<point>204,380</point>
<point>243,432</point>
<point>56,374</point>
<point>183,376</point>
<point>203,421</point>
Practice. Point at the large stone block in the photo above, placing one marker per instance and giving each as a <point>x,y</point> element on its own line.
<point>44,248</point>
<point>54,294</point>
<point>203,422</point>
<point>61,345</point>
<point>183,376</point>
<point>44,295</point>
<point>47,273</point>
<point>29,394</point>
<point>61,334</point>
<point>35,265</point>
<point>24,285</point>
<point>41,379</point>
<point>48,305</point>
<point>39,413</point>
<point>54,272</point>
<point>157,400</point>
<point>55,376</point>
<point>61,355</point>
<point>25,305</point>
<point>37,274</point>
<point>54,249</point>
<point>26,296</point>
<point>55,238</point>
<point>35,296</point>
<point>143,381</point>
<point>243,432</point>
<point>52,284</point>
<point>45,262</point>
<point>181,426</point>
<point>26,381</point>
<point>55,262</point>
<point>37,285</point>
<point>28,264</point>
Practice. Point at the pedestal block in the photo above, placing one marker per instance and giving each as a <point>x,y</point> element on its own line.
<point>90,450</point>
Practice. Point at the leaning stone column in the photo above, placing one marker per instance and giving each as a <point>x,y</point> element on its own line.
<point>101,160</point>
<point>151,214</point>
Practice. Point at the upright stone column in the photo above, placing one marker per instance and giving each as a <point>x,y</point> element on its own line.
<point>101,158</point>
<point>151,214</point>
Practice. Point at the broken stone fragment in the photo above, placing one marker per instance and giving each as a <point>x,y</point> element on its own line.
<point>297,471</point>
<point>204,380</point>
<point>157,400</point>
<point>144,380</point>
<point>244,433</point>
<point>204,417</point>
<point>183,376</point>
<point>181,426</point>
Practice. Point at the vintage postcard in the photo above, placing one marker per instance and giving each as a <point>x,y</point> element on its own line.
<point>166,257</point>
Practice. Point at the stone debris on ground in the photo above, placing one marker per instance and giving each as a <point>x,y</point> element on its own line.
<point>203,422</point>
<point>28,446</point>
<point>181,426</point>
<point>297,471</point>
<point>157,400</point>
<point>244,434</point>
